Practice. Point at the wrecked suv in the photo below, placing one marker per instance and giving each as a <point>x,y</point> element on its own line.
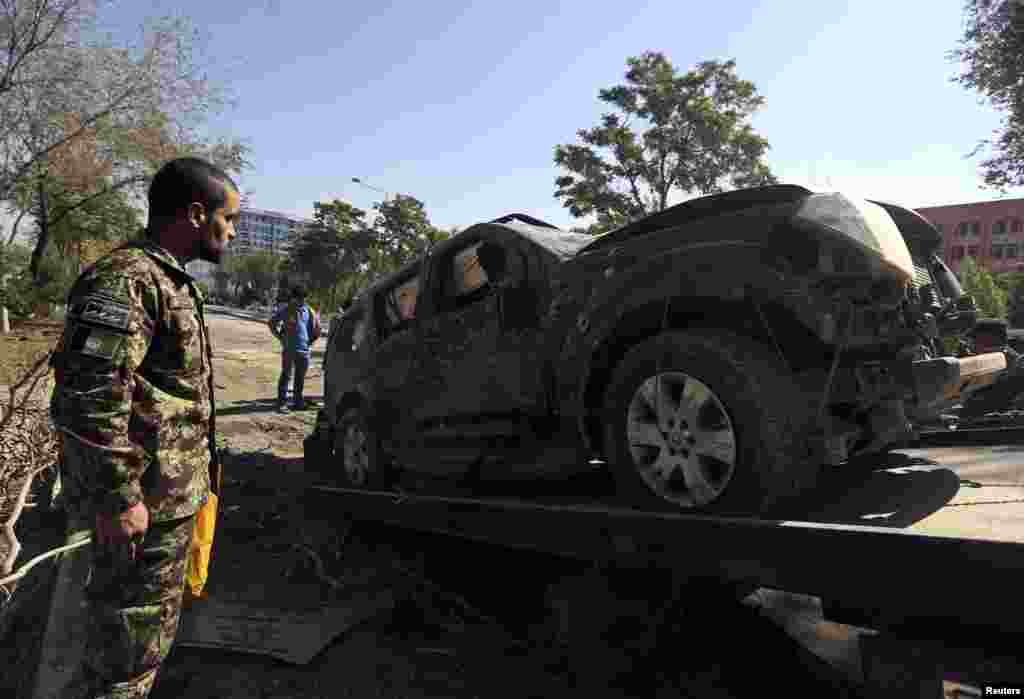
<point>713,356</point>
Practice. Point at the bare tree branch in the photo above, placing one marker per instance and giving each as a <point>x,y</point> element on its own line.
<point>14,228</point>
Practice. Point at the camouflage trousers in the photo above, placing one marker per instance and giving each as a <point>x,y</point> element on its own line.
<point>134,609</point>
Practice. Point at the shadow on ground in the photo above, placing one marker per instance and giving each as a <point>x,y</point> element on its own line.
<point>264,405</point>
<point>902,491</point>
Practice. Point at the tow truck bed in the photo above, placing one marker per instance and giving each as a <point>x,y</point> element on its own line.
<point>931,547</point>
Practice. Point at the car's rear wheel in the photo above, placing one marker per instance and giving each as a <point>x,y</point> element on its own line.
<point>708,420</point>
<point>358,454</point>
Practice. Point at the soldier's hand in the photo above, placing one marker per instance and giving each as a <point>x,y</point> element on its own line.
<point>122,534</point>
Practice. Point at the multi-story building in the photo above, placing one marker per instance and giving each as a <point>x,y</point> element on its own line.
<point>992,232</point>
<point>266,230</point>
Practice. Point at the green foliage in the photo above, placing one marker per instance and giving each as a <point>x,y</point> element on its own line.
<point>259,271</point>
<point>76,217</point>
<point>204,288</point>
<point>991,55</point>
<point>669,132</point>
<point>1012,283</point>
<point>403,230</point>
<point>333,246</point>
<point>14,260</point>
<point>222,280</point>
<point>342,253</point>
<point>979,282</point>
<point>20,293</point>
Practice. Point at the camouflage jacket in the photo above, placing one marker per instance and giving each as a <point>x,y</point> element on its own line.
<point>134,387</point>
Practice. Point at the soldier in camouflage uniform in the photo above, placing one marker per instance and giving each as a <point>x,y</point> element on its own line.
<point>134,407</point>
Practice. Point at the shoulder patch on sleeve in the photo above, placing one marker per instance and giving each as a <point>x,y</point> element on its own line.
<point>101,343</point>
<point>101,309</point>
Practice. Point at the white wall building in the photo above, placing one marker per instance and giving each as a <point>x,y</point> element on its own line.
<point>267,230</point>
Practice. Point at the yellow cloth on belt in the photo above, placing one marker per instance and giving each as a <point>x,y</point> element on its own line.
<point>202,541</point>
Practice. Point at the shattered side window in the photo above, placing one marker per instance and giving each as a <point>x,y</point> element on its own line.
<point>400,302</point>
<point>468,274</point>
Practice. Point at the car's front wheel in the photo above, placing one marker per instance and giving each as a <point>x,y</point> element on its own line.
<point>707,420</point>
<point>357,451</point>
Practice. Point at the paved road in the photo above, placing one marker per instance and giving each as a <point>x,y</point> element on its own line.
<point>973,493</point>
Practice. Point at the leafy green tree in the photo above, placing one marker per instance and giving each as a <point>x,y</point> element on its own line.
<point>403,230</point>
<point>991,56</point>
<point>342,253</point>
<point>231,267</point>
<point>333,246</point>
<point>1012,283</point>
<point>259,270</point>
<point>221,281</point>
<point>980,283</point>
<point>111,219</point>
<point>668,132</point>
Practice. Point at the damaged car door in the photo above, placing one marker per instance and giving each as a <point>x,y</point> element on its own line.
<point>395,359</point>
<point>459,340</point>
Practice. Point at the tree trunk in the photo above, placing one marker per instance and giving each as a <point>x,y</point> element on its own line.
<point>14,228</point>
<point>44,234</point>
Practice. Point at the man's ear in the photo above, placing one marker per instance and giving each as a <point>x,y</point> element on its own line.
<point>197,214</point>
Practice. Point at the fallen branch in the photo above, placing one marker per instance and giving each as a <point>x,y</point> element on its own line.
<point>319,569</point>
<point>20,573</point>
<point>7,527</point>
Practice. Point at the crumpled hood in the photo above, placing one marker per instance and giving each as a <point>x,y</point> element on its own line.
<point>863,223</point>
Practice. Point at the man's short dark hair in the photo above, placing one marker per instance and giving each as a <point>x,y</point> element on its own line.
<point>298,292</point>
<point>185,180</point>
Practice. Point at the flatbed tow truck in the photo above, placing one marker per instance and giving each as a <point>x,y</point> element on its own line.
<point>926,553</point>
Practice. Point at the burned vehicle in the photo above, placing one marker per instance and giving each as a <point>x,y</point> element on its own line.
<point>714,356</point>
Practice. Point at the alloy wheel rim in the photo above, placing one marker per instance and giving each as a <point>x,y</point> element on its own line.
<point>355,460</point>
<point>681,439</point>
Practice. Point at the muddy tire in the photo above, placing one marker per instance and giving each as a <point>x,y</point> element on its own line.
<point>358,457</point>
<point>317,450</point>
<point>708,421</point>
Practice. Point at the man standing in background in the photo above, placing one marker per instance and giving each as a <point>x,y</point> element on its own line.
<point>297,326</point>
<point>133,405</point>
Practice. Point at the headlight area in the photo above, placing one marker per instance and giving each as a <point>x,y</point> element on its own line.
<point>867,317</point>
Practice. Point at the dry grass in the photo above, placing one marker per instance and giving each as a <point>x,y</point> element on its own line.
<point>26,343</point>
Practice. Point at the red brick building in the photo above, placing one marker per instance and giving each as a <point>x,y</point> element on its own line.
<point>992,232</point>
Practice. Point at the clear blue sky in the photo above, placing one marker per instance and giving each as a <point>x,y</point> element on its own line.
<point>460,104</point>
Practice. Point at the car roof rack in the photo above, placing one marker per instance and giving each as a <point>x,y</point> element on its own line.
<point>509,218</point>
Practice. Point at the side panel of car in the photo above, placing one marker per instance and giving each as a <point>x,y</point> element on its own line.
<point>459,343</point>
<point>481,336</point>
<point>724,286</point>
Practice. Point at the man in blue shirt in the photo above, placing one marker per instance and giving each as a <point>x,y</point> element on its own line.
<point>297,326</point>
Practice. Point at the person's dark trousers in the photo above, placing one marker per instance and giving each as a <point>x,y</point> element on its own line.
<point>297,362</point>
